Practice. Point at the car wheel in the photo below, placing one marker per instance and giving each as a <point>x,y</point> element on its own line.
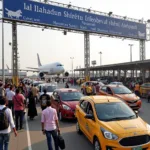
<point>96,144</point>
<point>78,128</point>
<point>60,116</point>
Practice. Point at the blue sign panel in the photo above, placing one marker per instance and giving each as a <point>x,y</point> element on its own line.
<point>39,13</point>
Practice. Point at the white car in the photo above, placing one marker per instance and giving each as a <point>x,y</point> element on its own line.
<point>50,87</point>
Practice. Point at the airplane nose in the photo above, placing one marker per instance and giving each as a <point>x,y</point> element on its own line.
<point>63,70</point>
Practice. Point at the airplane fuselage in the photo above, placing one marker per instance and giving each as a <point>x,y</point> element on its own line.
<point>52,69</point>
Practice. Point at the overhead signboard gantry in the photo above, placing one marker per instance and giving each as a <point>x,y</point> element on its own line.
<point>71,18</point>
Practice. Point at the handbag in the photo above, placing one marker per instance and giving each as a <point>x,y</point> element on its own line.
<point>61,141</point>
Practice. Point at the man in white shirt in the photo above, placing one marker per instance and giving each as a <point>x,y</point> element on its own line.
<point>9,96</point>
<point>7,89</point>
<point>5,132</point>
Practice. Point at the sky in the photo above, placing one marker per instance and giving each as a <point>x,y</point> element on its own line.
<point>54,46</point>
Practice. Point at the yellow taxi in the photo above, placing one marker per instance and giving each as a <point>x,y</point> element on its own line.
<point>144,89</point>
<point>80,81</point>
<point>110,124</point>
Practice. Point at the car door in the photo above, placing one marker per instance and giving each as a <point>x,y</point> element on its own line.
<point>81,115</point>
<point>90,124</point>
<point>54,101</point>
<point>103,90</point>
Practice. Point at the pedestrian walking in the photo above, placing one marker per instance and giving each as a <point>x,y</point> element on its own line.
<point>35,92</point>
<point>93,89</point>
<point>32,112</point>
<point>43,99</point>
<point>19,107</point>
<point>9,96</point>
<point>6,123</point>
<point>88,89</point>
<point>2,90</point>
<point>66,85</point>
<point>50,126</point>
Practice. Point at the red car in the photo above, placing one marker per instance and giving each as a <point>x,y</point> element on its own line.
<point>65,101</point>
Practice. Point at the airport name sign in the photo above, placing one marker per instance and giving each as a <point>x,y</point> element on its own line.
<point>56,16</point>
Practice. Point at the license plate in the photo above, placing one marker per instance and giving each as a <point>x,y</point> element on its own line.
<point>137,148</point>
<point>133,104</point>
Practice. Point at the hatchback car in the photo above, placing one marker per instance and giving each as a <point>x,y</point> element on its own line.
<point>111,124</point>
<point>144,89</point>
<point>65,101</point>
<point>122,93</point>
<point>50,87</point>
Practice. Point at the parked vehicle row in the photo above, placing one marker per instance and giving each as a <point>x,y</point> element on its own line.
<point>107,119</point>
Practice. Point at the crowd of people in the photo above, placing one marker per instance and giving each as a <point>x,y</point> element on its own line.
<point>13,103</point>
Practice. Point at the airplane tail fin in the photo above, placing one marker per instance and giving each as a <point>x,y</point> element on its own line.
<point>39,62</point>
<point>7,66</point>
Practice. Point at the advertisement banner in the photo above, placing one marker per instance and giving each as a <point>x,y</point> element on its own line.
<point>56,16</point>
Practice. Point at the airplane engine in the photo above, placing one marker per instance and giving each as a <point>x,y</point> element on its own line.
<point>66,74</point>
<point>41,75</point>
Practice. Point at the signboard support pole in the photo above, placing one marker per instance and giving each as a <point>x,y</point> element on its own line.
<point>3,68</point>
<point>142,49</point>
<point>15,53</point>
<point>87,54</point>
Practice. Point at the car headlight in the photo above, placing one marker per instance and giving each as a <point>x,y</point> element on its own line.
<point>108,135</point>
<point>148,127</point>
<point>66,107</point>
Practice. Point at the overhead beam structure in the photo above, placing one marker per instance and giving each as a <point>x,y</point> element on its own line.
<point>87,54</point>
<point>15,53</point>
<point>142,50</point>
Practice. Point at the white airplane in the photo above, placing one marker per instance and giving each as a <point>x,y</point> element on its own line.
<point>48,69</point>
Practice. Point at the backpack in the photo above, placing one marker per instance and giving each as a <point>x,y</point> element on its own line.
<point>4,123</point>
<point>2,92</point>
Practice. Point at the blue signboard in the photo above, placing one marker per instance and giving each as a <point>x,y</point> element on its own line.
<point>39,13</point>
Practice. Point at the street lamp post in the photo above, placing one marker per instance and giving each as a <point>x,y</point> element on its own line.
<point>131,45</point>
<point>100,62</point>
<point>72,69</point>
<point>100,58</point>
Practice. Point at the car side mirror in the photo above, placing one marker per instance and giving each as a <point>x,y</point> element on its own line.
<point>136,113</point>
<point>89,116</point>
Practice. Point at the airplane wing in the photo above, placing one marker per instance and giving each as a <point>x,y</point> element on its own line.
<point>32,68</point>
<point>26,70</point>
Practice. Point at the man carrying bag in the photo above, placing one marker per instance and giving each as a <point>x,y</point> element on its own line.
<point>61,141</point>
<point>50,126</point>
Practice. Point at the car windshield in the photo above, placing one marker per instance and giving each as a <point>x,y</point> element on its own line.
<point>36,84</point>
<point>116,83</point>
<point>70,96</point>
<point>114,111</point>
<point>146,85</point>
<point>121,90</point>
<point>50,88</point>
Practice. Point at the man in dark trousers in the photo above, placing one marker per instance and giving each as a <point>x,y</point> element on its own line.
<point>50,126</point>
<point>43,99</point>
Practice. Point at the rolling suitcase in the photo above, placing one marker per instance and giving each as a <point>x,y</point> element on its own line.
<point>61,142</point>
